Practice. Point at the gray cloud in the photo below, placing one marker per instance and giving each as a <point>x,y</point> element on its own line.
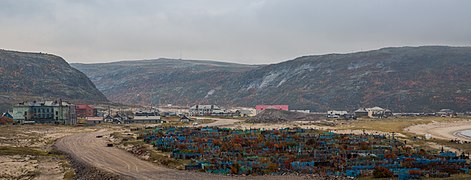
<point>245,31</point>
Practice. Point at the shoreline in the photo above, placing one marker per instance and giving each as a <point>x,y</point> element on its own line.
<point>443,130</point>
<point>459,134</point>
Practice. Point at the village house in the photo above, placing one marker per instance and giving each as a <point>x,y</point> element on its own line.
<point>245,113</point>
<point>108,118</point>
<point>120,118</point>
<point>8,115</point>
<point>6,118</point>
<point>336,114</point>
<point>446,113</point>
<point>94,120</point>
<point>47,112</point>
<point>301,110</point>
<point>205,110</point>
<point>374,112</point>
<point>85,110</point>
<point>362,112</point>
<point>145,117</point>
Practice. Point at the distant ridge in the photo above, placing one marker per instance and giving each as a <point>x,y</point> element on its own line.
<point>403,79</point>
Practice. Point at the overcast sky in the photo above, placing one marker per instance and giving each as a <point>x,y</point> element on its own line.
<point>244,31</point>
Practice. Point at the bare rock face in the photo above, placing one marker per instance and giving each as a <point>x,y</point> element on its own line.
<point>28,76</point>
<point>160,81</point>
<point>405,79</point>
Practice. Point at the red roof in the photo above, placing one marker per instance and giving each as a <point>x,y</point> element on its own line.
<point>279,107</point>
<point>84,106</point>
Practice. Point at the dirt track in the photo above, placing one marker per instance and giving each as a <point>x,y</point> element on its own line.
<point>220,122</point>
<point>85,147</point>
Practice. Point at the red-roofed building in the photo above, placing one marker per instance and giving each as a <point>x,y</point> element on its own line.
<point>85,110</point>
<point>279,107</point>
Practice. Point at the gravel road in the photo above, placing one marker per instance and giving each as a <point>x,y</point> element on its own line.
<point>220,122</point>
<point>85,147</point>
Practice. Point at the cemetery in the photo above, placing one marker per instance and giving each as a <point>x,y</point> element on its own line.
<point>302,151</point>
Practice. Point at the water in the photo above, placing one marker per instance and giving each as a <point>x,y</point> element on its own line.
<point>466,133</point>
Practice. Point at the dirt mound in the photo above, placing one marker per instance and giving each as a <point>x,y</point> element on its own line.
<point>280,116</point>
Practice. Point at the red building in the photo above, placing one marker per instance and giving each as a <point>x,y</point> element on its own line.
<point>85,110</point>
<point>279,107</point>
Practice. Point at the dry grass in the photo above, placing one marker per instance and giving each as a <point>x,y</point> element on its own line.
<point>164,159</point>
<point>393,124</point>
<point>399,124</point>
<point>21,151</point>
<point>462,147</point>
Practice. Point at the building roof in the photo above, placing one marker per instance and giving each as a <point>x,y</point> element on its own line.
<point>375,109</point>
<point>43,103</point>
<point>361,110</point>
<point>84,106</point>
<point>7,114</point>
<point>446,110</point>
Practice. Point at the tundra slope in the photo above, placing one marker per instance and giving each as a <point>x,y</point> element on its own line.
<point>29,76</point>
<point>404,79</point>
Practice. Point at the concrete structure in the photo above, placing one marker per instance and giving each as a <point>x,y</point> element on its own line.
<point>47,112</point>
<point>205,110</point>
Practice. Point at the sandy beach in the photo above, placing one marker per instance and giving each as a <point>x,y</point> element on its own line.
<point>447,131</point>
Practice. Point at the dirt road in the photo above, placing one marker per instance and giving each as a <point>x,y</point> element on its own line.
<point>220,122</point>
<point>86,148</point>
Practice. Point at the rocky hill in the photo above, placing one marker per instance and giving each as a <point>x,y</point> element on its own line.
<point>30,76</point>
<point>403,79</point>
<point>162,81</point>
